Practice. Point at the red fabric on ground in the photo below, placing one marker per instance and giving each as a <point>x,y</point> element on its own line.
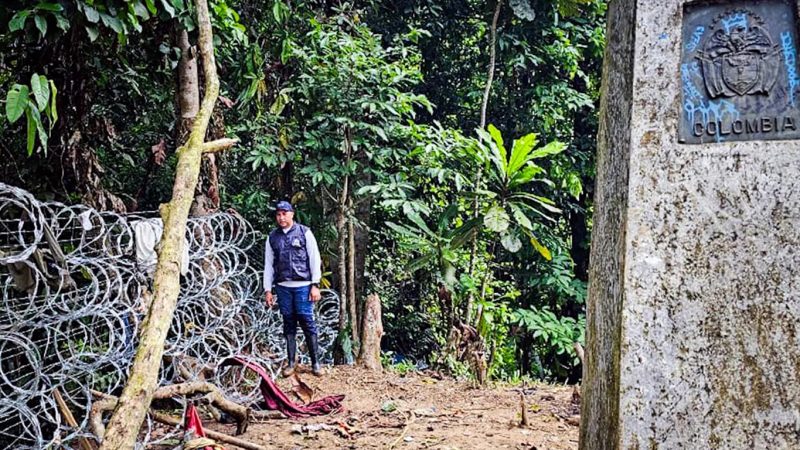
<point>193,426</point>
<point>277,400</point>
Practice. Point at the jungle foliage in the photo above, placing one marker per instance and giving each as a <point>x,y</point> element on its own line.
<point>367,116</point>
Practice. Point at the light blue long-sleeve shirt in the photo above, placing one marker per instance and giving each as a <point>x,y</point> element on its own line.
<point>314,263</point>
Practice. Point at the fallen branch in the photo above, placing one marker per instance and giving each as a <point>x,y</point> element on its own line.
<point>219,145</point>
<point>70,419</point>
<point>175,422</point>
<point>239,412</point>
<point>410,420</point>
<point>104,404</point>
<point>267,415</point>
<point>213,396</point>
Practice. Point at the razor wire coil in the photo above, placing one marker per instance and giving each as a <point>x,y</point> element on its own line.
<point>70,312</point>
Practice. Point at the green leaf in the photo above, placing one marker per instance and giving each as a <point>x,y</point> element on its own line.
<point>39,126</point>
<point>420,262</point>
<point>49,6</point>
<point>511,242</point>
<point>286,50</point>
<point>402,230</point>
<point>552,148</point>
<point>541,248</point>
<point>41,24</point>
<point>446,217</point>
<point>520,217</point>
<point>543,201</point>
<point>112,22</point>
<point>140,10</point>
<point>496,219</point>
<point>574,185</point>
<point>61,22</point>
<point>525,175</point>
<point>16,102</point>
<point>520,151</point>
<point>277,11</point>
<point>168,7</point>
<point>495,155</point>
<point>421,224</point>
<point>498,149</point>
<point>151,6</point>
<point>280,103</point>
<point>498,139</point>
<point>52,111</point>
<point>31,132</point>
<point>41,90</point>
<point>18,21</point>
<point>93,32</point>
<point>463,234</point>
<point>382,134</point>
<point>92,15</point>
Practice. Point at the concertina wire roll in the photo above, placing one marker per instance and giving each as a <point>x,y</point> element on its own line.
<point>73,295</point>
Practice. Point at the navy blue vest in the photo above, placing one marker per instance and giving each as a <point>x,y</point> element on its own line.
<point>291,257</point>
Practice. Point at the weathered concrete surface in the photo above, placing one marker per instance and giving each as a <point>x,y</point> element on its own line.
<point>693,319</point>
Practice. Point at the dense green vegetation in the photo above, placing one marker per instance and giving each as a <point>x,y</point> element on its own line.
<point>367,115</point>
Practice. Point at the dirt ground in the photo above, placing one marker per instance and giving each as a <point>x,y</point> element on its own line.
<point>423,411</point>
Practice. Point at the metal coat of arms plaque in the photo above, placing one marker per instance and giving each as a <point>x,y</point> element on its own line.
<point>739,75</point>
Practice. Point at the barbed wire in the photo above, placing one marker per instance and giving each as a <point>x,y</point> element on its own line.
<point>72,296</point>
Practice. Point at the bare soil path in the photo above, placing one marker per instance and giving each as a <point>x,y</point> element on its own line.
<point>423,411</point>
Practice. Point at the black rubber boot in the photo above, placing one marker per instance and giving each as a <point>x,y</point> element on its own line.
<point>291,355</point>
<point>313,350</point>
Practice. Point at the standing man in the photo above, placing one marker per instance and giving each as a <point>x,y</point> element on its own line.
<point>292,262</point>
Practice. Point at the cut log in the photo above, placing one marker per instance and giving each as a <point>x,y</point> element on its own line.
<point>371,334</point>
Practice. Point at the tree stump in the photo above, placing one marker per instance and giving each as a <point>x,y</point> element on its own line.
<point>371,334</point>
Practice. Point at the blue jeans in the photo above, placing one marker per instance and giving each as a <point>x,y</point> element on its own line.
<point>296,306</point>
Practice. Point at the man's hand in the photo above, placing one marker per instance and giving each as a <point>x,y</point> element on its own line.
<point>270,299</point>
<point>315,294</point>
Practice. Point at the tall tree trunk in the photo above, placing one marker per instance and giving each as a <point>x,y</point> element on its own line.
<point>355,322</point>
<point>341,262</point>
<point>467,307</point>
<point>339,355</point>
<point>123,428</point>
<point>79,162</point>
<point>492,58</point>
<point>206,197</point>
<point>188,92</point>
<point>286,180</point>
<point>361,215</point>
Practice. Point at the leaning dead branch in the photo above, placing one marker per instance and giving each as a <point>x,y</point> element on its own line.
<point>123,428</point>
<point>213,396</point>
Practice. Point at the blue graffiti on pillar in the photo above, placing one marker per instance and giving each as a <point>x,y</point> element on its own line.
<point>695,102</point>
<point>696,36</point>
<point>790,60</point>
<point>735,21</point>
